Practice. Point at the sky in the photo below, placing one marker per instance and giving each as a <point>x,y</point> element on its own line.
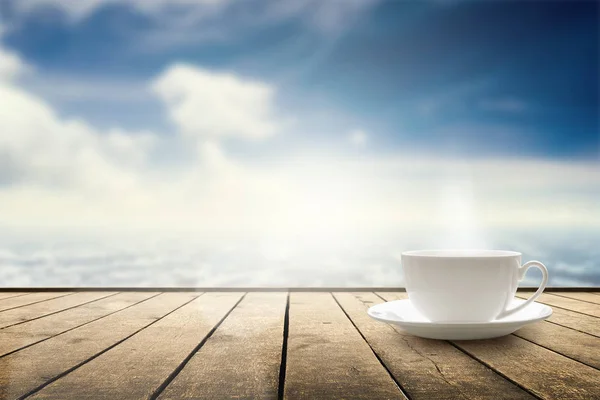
<point>314,122</point>
<point>460,76</point>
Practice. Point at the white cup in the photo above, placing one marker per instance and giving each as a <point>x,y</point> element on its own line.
<point>466,285</point>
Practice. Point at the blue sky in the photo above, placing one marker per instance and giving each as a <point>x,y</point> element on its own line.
<point>265,118</point>
<point>510,78</point>
<point>297,142</point>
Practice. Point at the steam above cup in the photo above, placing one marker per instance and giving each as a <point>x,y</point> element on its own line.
<point>466,285</point>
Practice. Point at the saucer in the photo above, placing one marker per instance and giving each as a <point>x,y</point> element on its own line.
<point>403,314</point>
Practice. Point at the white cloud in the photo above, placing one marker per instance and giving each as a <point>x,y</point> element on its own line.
<point>60,173</point>
<point>358,138</point>
<point>73,88</point>
<point>204,103</point>
<point>11,65</point>
<point>40,148</point>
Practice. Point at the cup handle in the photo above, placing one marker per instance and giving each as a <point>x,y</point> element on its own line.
<point>522,270</point>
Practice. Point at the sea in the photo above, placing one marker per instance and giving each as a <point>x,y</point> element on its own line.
<point>51,260</point>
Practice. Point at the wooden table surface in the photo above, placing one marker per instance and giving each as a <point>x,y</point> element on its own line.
<point>309,345</point>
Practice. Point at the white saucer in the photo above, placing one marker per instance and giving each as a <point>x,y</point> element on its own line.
<point>403,314</point>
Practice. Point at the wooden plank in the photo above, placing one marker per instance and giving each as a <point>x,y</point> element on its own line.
<point>389,296</point>
<point>326,356</point>
<point>32,298</point>
<point>137,367</point>
<point>589,297</point>
<point>579,306</point>
<point>543,372</point>
<point>6,295</point>
<point>566,341</point>
<point>31,368</point>
<point>555,337</point>
<point>426,369</point>
<point>573,320</point>
<point>245,352</point>
<point>37,310</point>
<point>27,333</point>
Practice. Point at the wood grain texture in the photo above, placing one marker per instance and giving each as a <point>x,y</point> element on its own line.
<point>426,369</point>
<point>589,297</point>
<point>138,366</point>
<point>574,320</point>
<point>566,341</point>
<point>543,372</point>
<point>6,295</point>
<point>31,298</point>
<point>37,310</point>
<point>27,333</point>
<point>579,306</point>
<point>244,352</point>
<point>178,345</point>
<point>30,368</point>
<point>327,358</point>
<point>389,296</point>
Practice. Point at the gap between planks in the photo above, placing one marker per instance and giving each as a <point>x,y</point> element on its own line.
<point>284,345</point>
<point>182,365</point>
<point>392,377</point>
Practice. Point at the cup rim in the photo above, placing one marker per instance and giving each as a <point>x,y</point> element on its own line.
<point>461,253</point>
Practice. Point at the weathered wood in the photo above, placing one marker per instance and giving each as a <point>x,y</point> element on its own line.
<point>563,340</point>
<point>244,352</point>
<point>579,306</point>
<point>326,356</point>
<point>31,368</point>
<point>571,343</point>
<point>129,345</point>
<point>426,369</point>
<point>32,298</point>
<point>37,310</point>
<point>389,296</point>
<point>6,295</point>
<point>573,320</point>
<point>27,333</point>
<point>138,366</point>
<point>589,297</point>
<point>543,372</point>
